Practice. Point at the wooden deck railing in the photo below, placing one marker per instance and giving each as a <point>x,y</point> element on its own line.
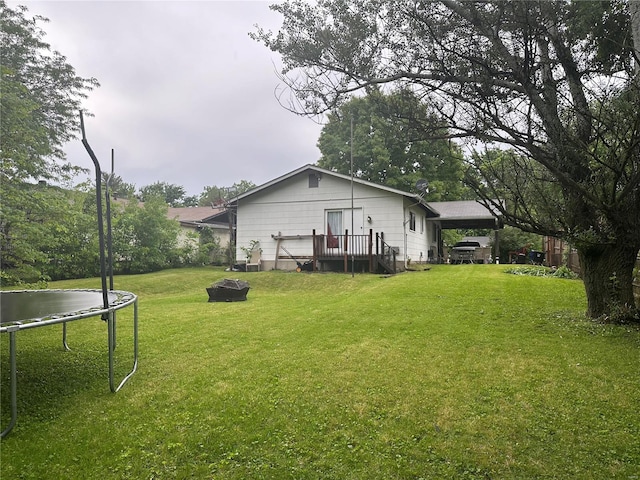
<point>385,254</point>
<point>327,246</point>
<point>345,247</point>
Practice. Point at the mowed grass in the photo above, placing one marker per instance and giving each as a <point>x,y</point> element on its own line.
<point>456,372</point>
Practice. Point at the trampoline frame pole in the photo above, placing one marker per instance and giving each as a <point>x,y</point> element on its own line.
<point>14,383</point>
<point>103,266</point>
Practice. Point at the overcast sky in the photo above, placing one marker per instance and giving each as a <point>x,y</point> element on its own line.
<point>186,97</point>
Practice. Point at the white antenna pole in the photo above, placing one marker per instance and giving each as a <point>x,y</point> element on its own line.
<point>352,222</point>
<point>352,233</point>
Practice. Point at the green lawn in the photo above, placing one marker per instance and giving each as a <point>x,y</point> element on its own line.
<point>455,372</point>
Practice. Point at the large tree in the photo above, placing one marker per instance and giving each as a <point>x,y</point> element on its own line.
<point>556,81</point>
<point>39,103</point>
<point>397,140</point>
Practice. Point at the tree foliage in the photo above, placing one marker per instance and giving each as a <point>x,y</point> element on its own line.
<point>29,229</point>
<point>118,188</point>
<point>71,243</point>
<point>556,81</point>
<point>397,140</point>
<point>39,103</point>
<point>514,240</point>
<point>144,238</point>
<point>215,195</point>
<point>41,97</point>
<point>171,194</point>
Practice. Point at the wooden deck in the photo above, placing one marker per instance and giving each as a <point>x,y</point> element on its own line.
<point>368,249</point>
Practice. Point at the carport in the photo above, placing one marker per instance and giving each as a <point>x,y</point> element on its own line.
<point>465,214</point>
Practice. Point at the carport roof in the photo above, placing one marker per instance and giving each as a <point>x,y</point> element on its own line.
<point>464,214</point>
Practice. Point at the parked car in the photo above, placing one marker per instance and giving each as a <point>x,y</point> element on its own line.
<point>464,252</point>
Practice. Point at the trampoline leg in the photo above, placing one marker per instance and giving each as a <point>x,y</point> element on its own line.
<point>111,321</point>
<point>14,384</point>
<point>64,337</point>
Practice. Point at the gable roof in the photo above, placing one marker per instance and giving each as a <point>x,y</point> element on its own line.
<point>453,214</point>
<point>313,168</point>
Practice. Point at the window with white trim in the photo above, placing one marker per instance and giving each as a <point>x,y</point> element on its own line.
<point>334,227</point>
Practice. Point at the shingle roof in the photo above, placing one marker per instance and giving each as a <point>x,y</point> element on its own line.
<point>464,214</point>
<point>193,214</point>
<point>461,209</point>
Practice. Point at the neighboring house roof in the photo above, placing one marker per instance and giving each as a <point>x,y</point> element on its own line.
<point>464,214</point>
<point>193,214</point>
<point>190,216</point>
<point>413,197</point>
<point>196,216</point>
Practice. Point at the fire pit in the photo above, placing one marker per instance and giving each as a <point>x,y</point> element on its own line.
<point>228,291</point>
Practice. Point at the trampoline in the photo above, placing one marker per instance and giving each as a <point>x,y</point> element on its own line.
<point>26,309</point>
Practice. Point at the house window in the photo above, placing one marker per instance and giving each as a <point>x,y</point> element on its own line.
<point>334,227</point>
<point>313,180</point>
<point>422,224</point>
<point>412,221</point>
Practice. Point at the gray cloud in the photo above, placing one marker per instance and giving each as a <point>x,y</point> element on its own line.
<point>186,96</point>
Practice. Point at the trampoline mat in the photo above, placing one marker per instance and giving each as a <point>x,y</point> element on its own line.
<point>17,306</point>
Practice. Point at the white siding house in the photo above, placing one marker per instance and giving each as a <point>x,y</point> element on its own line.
<point>193,219</point>
<point>281,216</point>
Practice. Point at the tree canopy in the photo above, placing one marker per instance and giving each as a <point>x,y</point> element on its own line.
<point>215,195</point>
<point>397,140</point>
<point>556,81</point>
<point>171,194</point>
<point>39,103</point>
<point>41,97</point>
<point>118,188</point>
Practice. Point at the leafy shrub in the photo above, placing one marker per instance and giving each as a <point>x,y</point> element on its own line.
<point>9,280</point>
<point>531,270</point>
<point>564,272</point>
<point>539,271</point>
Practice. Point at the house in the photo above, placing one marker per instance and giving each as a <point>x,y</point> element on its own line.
<point>195,219</point>
<point>312,218</point>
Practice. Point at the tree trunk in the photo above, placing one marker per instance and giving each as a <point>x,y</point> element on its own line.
<point>634,10</point>
<point>607,271</point>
